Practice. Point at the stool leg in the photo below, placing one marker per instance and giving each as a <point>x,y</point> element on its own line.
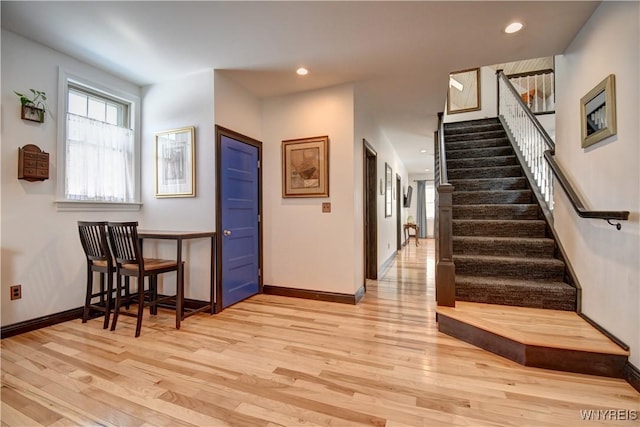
<point>87,299</point>
<point>109,301</point>
<point>140,304</point>
<point>116,309</point>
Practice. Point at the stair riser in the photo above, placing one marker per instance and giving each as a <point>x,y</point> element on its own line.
<point>497,172</point>
<point>481,143</point>
<point>554,299</point>
<point>489,184</point>
<point>541,249</point>
<point>495,212</point>
<point>492,197</point>
<point>483,162</point>
<point>479,152</point>
<point>499,229</point>
<point>515,269</point>
<point>475,135</point>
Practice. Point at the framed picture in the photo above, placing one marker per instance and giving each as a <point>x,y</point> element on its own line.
<point>598,112</point>
<point>305,167</point>
<point>464,91</point>
<point>175,170</point>
<point>388,190</point>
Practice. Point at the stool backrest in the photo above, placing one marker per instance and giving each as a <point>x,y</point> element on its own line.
<point>125,245</point>
<point>93,236</point>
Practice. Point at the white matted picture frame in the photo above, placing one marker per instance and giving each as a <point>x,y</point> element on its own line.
<point>175,163</point>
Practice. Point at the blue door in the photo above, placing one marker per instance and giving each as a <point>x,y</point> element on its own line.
<point>239,223</point>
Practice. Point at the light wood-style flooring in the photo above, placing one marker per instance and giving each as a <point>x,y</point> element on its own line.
<point>275,360</point>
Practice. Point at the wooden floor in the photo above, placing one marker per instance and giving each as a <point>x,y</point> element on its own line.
<point>275,360</point>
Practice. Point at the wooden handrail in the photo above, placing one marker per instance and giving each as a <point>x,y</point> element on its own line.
<point>577,204</point>
<point>575,200</point>
<point>531,73</point>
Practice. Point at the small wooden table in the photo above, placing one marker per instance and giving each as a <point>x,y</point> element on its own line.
<point>179,236</point>
<point>415,228</point>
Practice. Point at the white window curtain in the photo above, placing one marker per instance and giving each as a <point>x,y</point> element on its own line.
<point>99,161</point>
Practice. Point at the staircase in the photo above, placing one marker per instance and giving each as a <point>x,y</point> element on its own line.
<point>512,290</point>
<point>503,252</point>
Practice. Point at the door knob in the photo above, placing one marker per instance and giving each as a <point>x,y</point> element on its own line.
<point>227,232</point>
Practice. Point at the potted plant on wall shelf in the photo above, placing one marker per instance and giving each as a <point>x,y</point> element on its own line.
<point>33,108</point>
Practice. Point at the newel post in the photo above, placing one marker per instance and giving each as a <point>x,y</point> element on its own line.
<point>445,268</point>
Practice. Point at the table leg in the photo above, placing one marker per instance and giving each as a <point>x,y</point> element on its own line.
<point>179,284</point>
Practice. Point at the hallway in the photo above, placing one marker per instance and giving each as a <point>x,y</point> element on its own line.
<point>274,360</point>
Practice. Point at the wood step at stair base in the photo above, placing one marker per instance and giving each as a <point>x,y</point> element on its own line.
<point>489,184</point>
<point>472,135</point>
<point>491,211</point>
<point>471,153</point>
<point>499,228</point>
<point>482,162</point>
<point>486,172</point>
<point>519,247</point>
<point>525,268</point>
<point>479,143</point>
<point>516,292</point>
<point>495,197</point>
<point>548,339</point>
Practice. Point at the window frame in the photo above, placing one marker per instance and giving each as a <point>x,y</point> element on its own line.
<point>109,91</point>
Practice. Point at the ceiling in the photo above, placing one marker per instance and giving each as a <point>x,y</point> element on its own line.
<point>397,53</point>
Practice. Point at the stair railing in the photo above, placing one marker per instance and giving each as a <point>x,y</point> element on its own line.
<point>535,147</point>
<point>537,90</point>
<point>445,268</point>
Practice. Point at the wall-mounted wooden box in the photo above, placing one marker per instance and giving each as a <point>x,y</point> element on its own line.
<point>33,163</point>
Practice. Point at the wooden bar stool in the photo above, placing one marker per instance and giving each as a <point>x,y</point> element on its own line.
<point>93,236</point>
<point>127,252</point>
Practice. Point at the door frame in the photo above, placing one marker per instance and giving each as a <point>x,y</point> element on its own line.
<point>220,132</point>
<point>398,212</point>
<point>370,211</point>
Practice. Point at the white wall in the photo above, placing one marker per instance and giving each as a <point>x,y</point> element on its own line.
<point>40,246</point>
<point>303,247</point>
<point>236,109</point>
<point>366,128</point>
<point>606,175</point>
<point>488,106</point>
<point>171,105</point>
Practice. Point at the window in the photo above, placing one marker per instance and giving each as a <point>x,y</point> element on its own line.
<point>99,157</point>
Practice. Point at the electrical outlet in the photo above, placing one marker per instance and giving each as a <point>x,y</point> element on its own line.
<point>16,292</point>
<point>326,207</point>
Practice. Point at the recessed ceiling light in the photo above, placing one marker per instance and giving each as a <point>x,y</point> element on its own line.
<point>302,71</point>
<point>513,27</point>
<point>426,170</point>
<point>423,151</point>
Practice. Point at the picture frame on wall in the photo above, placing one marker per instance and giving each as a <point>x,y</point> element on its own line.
<point>463,95</point>
<point>598,112</point>
<point>305,167</point>
<point>388,190</point>
<point>175,163</point>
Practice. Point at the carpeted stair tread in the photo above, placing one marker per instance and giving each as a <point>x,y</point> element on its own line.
<point>480,127</point>
<point>492,211</point>
<point>495,197</point>
<point>540,247</point>
<point>509,266</point>
<point>479,143</point>
<point>552,295</point>
<point>472,123</point>
<point>487,184</point>
<point>499,228</point>
<point>468,153</point>
<point>485,172</point>
<point>472,136</point>
<point>482,162</point>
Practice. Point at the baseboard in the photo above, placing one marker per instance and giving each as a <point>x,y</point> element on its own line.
<point>385,265</point>
<point>314,295</point>
<point>632,375</point>
<point>604,332</point>
<point>40,322</point>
